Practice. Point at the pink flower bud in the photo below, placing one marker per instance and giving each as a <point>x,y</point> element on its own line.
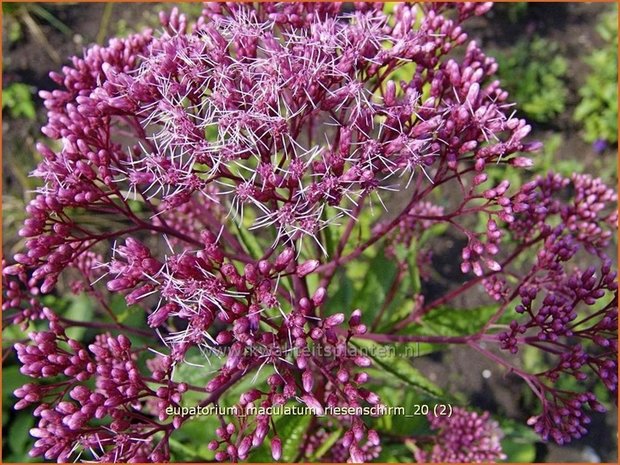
<point>532,146</point>
<point>307,267</point>
<point>472,94</point>
<point>307,380</point>
<point>522,162</point>
<point>373,437</point>
<point>319,296</point>
<point>138,294</point>
<point>224,337</point>
<point>313,404</point>
<point>347,439</point>
<point>493,265</point>
<point>284,259</point>
<point>477,268</point>
<point>359,330</point>
<point>362,361</point>
<point>480,178</point>
<point>118,284</point>
<point>250,273</point>
<point>334,320</point>
<point>264,267</point>
<point>357,456</point>
<point>356,317</point>
<point>372,398</point>
<point>244,446</point>
<point>259,434</point>
<point>217,382</point>
<point>302,362</point>
<point>305,304</point>
<point>316,334</point>
<point>390,93</point>
<point>276,448</point>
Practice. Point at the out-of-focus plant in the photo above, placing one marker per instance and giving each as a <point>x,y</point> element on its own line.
<point>533,71</point>
<point>515,12</point>
<point>20,15</point>
<point>215,204</point>
<point>17,101</point>
<point>598,109</point>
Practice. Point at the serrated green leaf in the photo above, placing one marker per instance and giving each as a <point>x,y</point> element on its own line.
<point>261,454</point>
<point>397,368</point>
<point>446,321</point>
<point>291,430</point>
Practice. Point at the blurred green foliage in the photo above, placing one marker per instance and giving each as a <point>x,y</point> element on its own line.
<point>598,109</point>
<point>533,71</point>
<point>23,19</point>
<point>19,10</point>
<point>17,101</point>
<point>516,11</point>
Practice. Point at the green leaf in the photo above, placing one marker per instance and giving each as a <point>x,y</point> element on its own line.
<point>182,452</point>
<point>196,432</point>
<point>326,445</point>
<point>397,368</point>
<point>249,241</point>
<point>371,292</point>
<point>17,98</point>
<point>130,315</point>
<point>198,371</point>
<point>262,454</point>
<point>410,255</point>
<point>406,423</point>
<point>80,309</point>
<point>11,380</point>
<point>19,434</point>
<point>446,321</point>
<point>291,430</point>
<point>395,453</point>
<point>342,299</point>
<point>331,235</point>
<point>519,442</point>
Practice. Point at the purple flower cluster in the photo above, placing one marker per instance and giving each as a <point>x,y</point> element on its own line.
<point>573,221</point>
<point>340,451</point>
<point>463,437</point>
<point>65,426</point>
<point>216,155</point>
